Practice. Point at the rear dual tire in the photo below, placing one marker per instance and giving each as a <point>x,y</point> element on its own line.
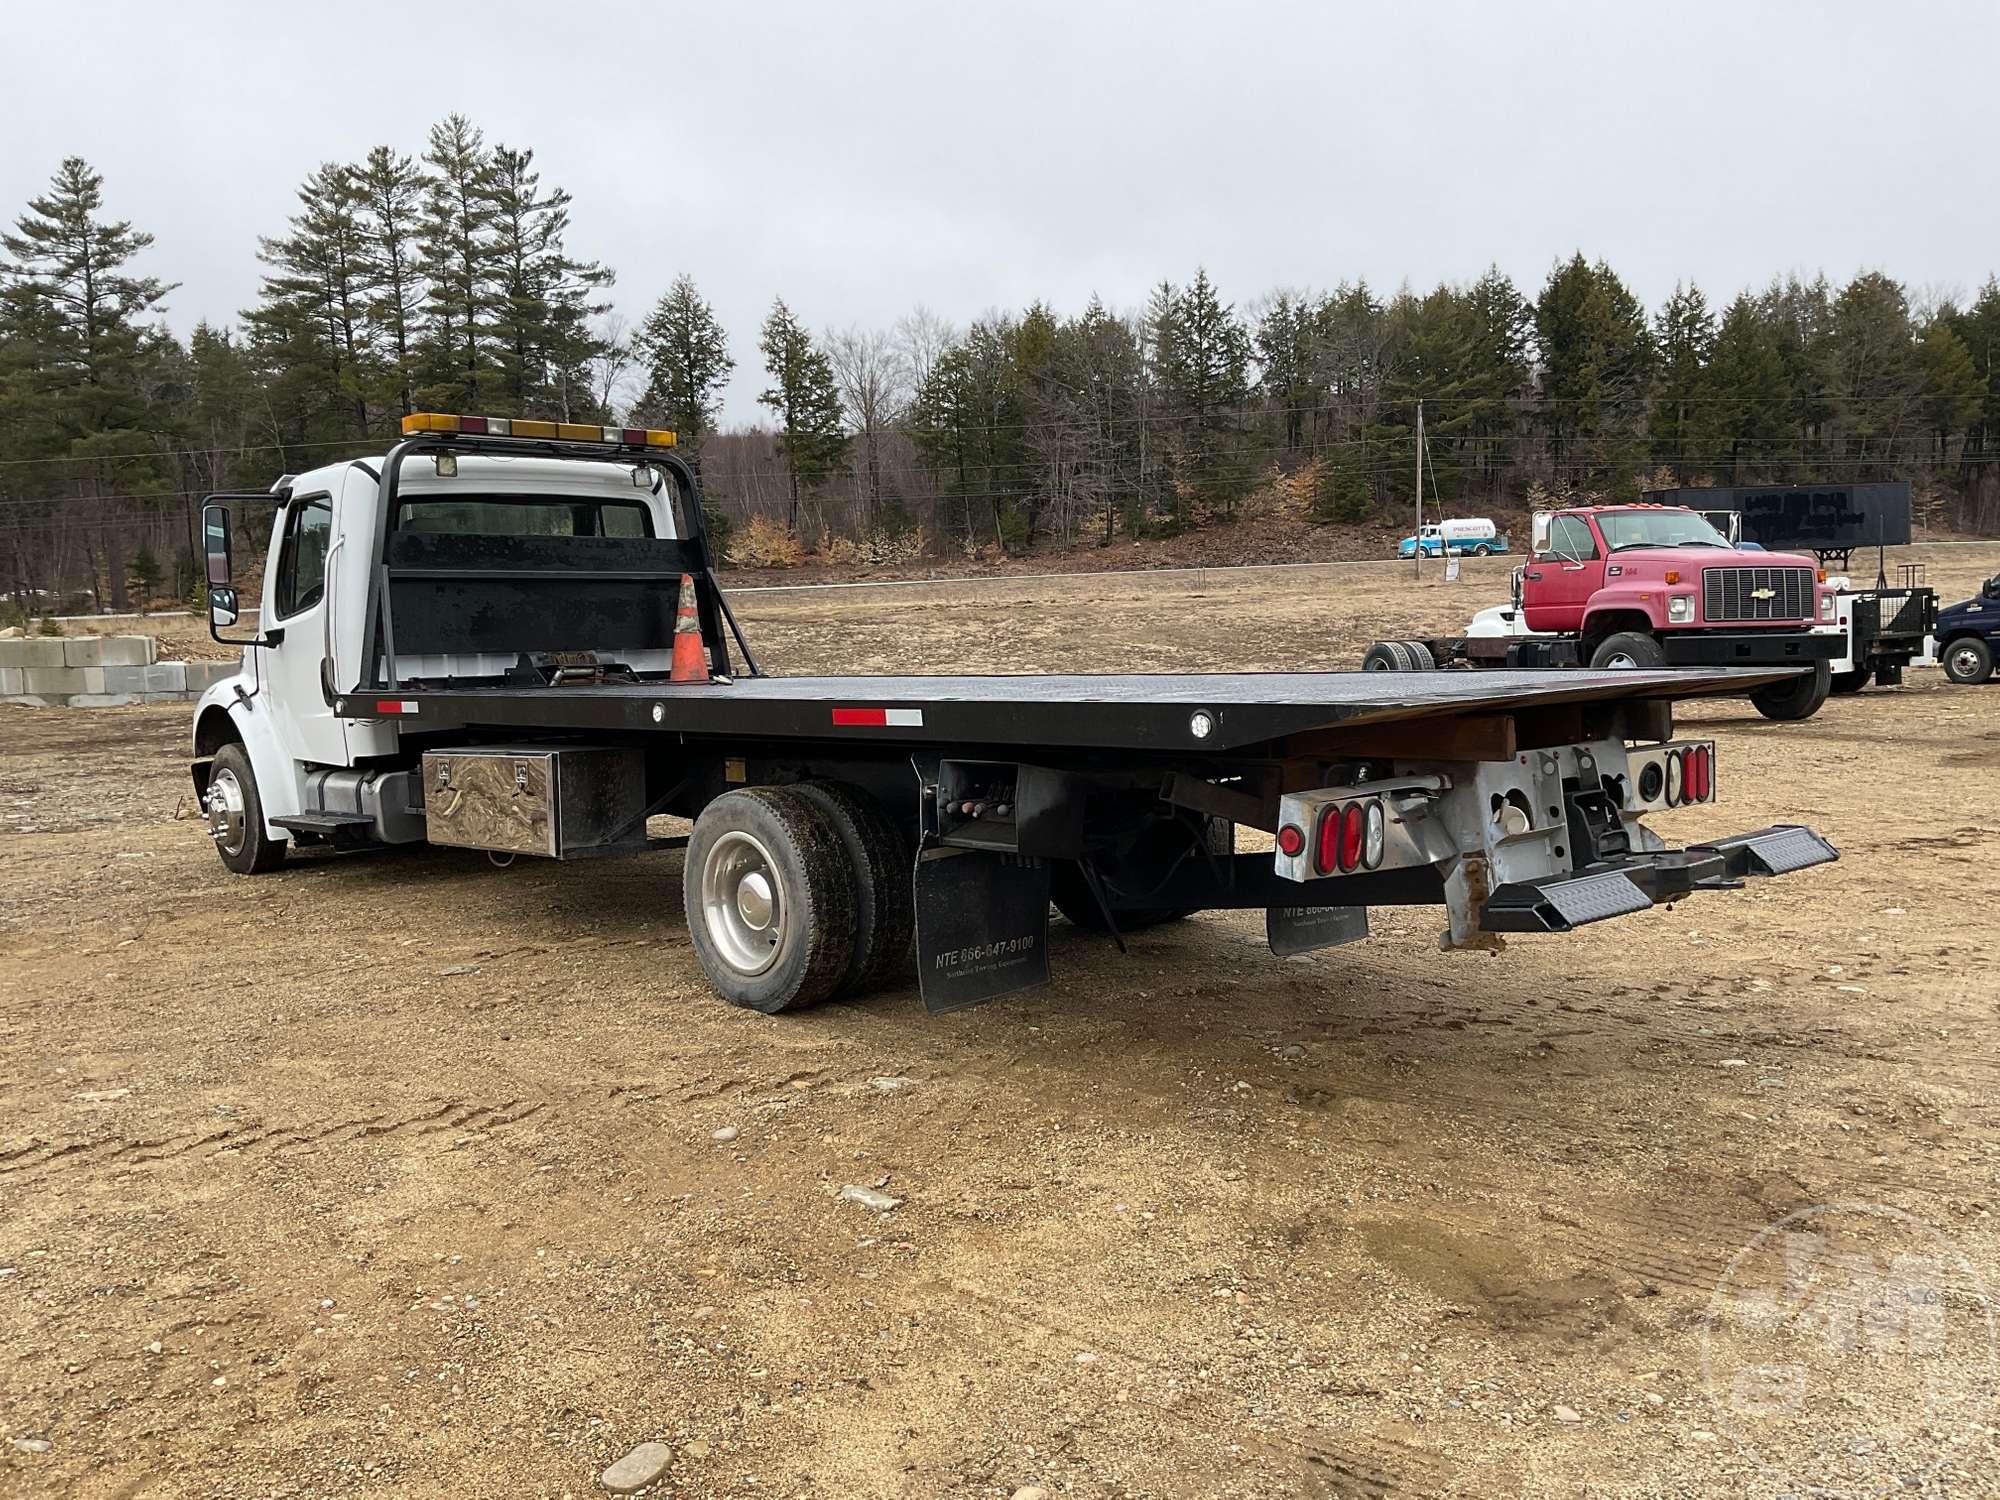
<point>797,894</point>
<point>1398,656</point>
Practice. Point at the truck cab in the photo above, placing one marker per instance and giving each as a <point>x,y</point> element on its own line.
<point>1475,535</point>
<point>1968,635</point>
<point>496,566</point>
<point>1663,573</point>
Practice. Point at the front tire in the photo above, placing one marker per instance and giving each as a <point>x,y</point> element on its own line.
<point>1968,661</point>
<point>236,815</point>
<point>770,896</point>
<point>1798,698</point>
<point>1627,650</point>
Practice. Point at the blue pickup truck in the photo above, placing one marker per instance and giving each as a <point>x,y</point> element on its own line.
<point>1968,635</point>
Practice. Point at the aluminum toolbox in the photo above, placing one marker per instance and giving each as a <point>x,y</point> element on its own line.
<point>558,802</point>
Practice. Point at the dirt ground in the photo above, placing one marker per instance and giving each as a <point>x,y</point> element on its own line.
<point>398,1175</point>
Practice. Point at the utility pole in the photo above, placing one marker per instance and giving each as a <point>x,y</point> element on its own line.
<point>1418,555</point>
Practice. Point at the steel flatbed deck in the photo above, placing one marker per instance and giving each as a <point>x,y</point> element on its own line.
<point>1123,711</point>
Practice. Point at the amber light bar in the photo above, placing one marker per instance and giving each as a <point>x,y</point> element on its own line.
<point>521,427</point>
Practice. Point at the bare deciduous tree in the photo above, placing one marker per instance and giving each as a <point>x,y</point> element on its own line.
<point>923,339</point>
<point>874,380</point>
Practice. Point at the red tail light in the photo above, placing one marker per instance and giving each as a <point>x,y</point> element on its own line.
<point>1326,853</point>
<point>1291,839</point>
<point>1353,821</point>
<point>1700,765</point>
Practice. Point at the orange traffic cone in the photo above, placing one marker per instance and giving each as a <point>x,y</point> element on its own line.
<point>690,657</point>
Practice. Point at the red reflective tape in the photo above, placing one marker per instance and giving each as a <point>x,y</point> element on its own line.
<point>395,706</point>
<point>872,717</point>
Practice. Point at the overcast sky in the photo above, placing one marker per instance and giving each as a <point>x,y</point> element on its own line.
<point>861,158</point>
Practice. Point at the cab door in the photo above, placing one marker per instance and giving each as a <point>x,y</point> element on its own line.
<point>1560,581</point>
<point>295,605</point>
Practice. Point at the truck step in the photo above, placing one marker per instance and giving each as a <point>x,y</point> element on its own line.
<point>325,823</point>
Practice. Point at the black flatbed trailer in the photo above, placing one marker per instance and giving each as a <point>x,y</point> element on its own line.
<point>838,822</point>
<point>1071,711</point>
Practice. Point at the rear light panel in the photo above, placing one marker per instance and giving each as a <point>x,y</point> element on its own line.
<point>1676,775</point>
<point>1355,830</point>
<point>1341,844</point>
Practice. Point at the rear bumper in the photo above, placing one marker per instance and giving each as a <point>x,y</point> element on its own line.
<point>1560,903</point>
<point>1750,648</point>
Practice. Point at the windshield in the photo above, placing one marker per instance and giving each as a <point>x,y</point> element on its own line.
<point>1657,528</point>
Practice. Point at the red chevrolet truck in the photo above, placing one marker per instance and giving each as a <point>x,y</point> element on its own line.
<point>1611,586</point>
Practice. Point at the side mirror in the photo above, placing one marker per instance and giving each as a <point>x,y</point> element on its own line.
<point>1518,586</point>
<point>1992,590</point>
<point>1539,540</point>
<point>222,607</point>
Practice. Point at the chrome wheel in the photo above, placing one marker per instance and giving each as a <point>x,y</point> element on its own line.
<point>226,824</point>
<point>742,902</point>
<point>1965,662</point>
<point>1620,661</point>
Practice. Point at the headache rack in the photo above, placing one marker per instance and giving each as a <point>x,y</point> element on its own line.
<point>434,594</point>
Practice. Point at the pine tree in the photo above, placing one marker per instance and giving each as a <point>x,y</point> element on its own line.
<point>315,299</point>
<point>1876,377</point>
<point>456,248</point>
<point>1684,332</point>
<point>806,401</point>
<point>144,574</point>
<point>687,360</point>
<point>69,289</point>
<point>1208,371</point>
<point>79,349</point>
<point>1596,358</point>
<point>390,190</point>
<point>1952,389</point>
<point>543,299</point>
<point>1750,391</point>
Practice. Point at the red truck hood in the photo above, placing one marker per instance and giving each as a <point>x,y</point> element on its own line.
<point>1691,560</point>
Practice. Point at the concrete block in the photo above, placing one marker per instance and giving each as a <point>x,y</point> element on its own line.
<point>125,679</point>
<point>203,675</point>
<point>93,678</point>
<point>39,652</point>
<point>52,682</point>
<point>103,700</point>
<point>166,677</point>
<point>129,650</point>
<point>83,651</point>
<point>12,682</point>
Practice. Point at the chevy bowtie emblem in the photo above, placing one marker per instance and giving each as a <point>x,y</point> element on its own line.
<point>1763,593</point>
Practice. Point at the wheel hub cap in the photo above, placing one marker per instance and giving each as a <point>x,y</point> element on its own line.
<point>225,811</point>
<point>742,903</point>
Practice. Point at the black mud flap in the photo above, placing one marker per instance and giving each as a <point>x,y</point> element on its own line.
<point>1302,929</point>
<point>982,926</point>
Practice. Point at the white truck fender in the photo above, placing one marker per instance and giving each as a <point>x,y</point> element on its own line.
<point>278,779</point>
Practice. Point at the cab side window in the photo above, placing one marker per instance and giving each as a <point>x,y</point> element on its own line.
<point>302,559</point>
<point>1571,538</point>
